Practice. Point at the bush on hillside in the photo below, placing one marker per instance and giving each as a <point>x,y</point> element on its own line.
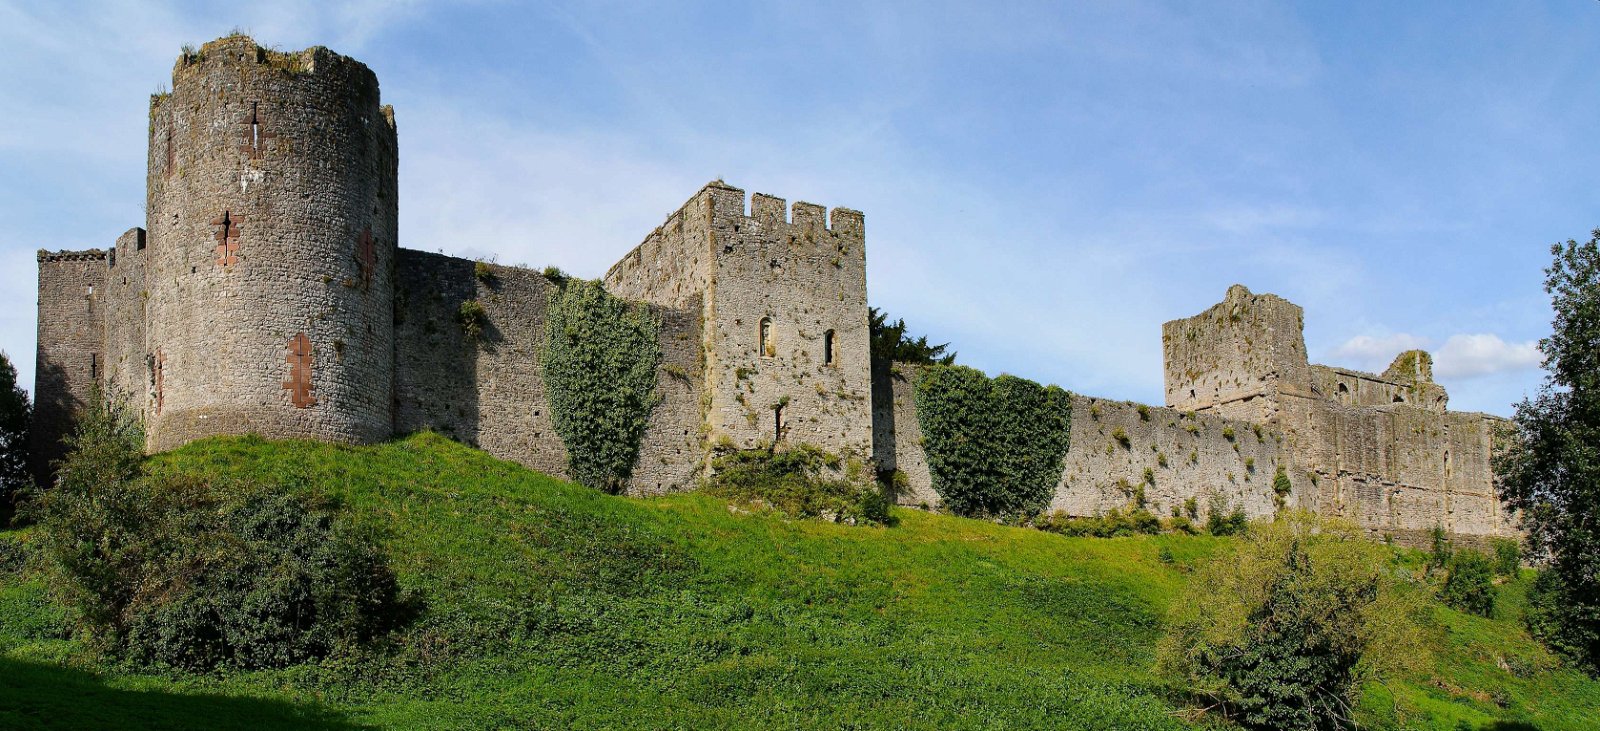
<point>1225,519</point>
<point>180,572</point>
<point>1507,556</point>
<point>1564,625</point>
<point>801,482</point>
<point>1470,586</point>
<point>1281,632</point>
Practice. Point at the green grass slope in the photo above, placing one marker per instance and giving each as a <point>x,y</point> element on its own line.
<point>553,606</point>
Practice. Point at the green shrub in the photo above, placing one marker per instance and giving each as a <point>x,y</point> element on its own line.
<point>1227,433</point>
<point>482,273</point>
<point>1225,519</point>
<point>1507,556</point>
<point>1470,586</point>
<point>1144,412</point>
<point>473,319</point>
<point>555,275</point>
<point>994,445</point>
<point>1182,524</point>
<point>1281,486</point>
<point>189,574</point>
<point>1191,508</point>
<point>1120,435</point>
<point>801,482</point>
<point>600,360</point>
<point>1439,548</point>
<point>1281,632</point>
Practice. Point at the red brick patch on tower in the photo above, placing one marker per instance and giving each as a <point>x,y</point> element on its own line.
<point>227,238</point>
<point>299,383</point>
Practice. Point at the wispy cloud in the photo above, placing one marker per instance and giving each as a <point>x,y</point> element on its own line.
<point>1469,356</point>
<point>1463,356</point>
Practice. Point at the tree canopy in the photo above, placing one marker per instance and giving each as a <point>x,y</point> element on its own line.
<point>1548,467</point>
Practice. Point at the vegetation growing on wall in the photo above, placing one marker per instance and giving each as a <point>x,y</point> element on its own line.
<point>600,359</point>
<point>994,445</point>
<point>801,482</point>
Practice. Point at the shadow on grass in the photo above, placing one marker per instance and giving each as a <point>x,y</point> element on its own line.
<point>35,696</point>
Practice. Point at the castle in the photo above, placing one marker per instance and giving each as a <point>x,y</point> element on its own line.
<point>266,293</point>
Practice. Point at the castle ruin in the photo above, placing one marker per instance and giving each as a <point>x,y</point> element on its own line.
<point>266,293</point>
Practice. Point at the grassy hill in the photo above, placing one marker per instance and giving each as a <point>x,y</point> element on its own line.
<point>552,606</point>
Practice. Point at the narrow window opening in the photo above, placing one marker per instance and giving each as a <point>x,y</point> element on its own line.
<point>94,365</point>
<point>1447,469</point>
<point>769,349</point>
<point>827,348</point>
<point>777,423</point>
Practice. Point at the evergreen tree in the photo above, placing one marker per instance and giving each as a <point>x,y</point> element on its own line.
<point>890,343</point>
<point>1549,466</point>
<point>15,412</point>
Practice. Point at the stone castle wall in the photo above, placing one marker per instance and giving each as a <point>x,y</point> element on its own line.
<point>129,373</point>
<point>1188,455</point>
<point>490,393</point>
<point>267,294</point>
<point>272,224</point>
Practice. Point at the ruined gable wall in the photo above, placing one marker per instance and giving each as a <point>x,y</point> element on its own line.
<point>1356,388</point>
<point>295,152</point>
<point>1235,358</point>
<point>491,393</point>
<point>127,371</point>
<point>71,332</point>
<point>1099,472</point>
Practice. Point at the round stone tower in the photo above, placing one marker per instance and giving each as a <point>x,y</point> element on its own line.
<point>272,220</point>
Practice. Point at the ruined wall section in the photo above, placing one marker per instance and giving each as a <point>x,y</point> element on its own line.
<point>70,351</point>
<point>1188,456</point>
<point>490,393</point>
<point>272,224</point>
<point>788,355</point>
<point>128,372</point>
<point>1237,357</point>
<point>1399,470</point>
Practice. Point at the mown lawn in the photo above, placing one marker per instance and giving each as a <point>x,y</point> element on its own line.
<point>552,606</point>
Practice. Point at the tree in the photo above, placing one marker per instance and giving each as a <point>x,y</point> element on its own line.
<point>1548,465</point>
<point>891,344</point>
<point>1281,631</point>
<point>15,412</point>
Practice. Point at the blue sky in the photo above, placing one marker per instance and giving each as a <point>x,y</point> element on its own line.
<point>1043,185</point>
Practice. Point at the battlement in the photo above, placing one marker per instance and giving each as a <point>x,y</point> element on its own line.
<point>239,49</point>
<point>730,202</point>
<point>64,255</point>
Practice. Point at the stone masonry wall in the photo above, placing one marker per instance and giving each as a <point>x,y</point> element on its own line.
<point>272,225</point>
<point>1100,472</point>
<point>128,371</point>
<point>1232,358</point>
<point>71,288</point>
<point>491,393</point>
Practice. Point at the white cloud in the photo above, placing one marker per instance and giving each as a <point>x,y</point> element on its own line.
<point>1468,356</point>
<point>1371,353</point>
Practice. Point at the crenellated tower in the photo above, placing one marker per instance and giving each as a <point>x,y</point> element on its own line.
<point>785,314</point>
<point>271,248</point>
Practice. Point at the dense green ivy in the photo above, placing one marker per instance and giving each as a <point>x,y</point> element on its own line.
<point>994,445</point>
<point>600,360</point>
